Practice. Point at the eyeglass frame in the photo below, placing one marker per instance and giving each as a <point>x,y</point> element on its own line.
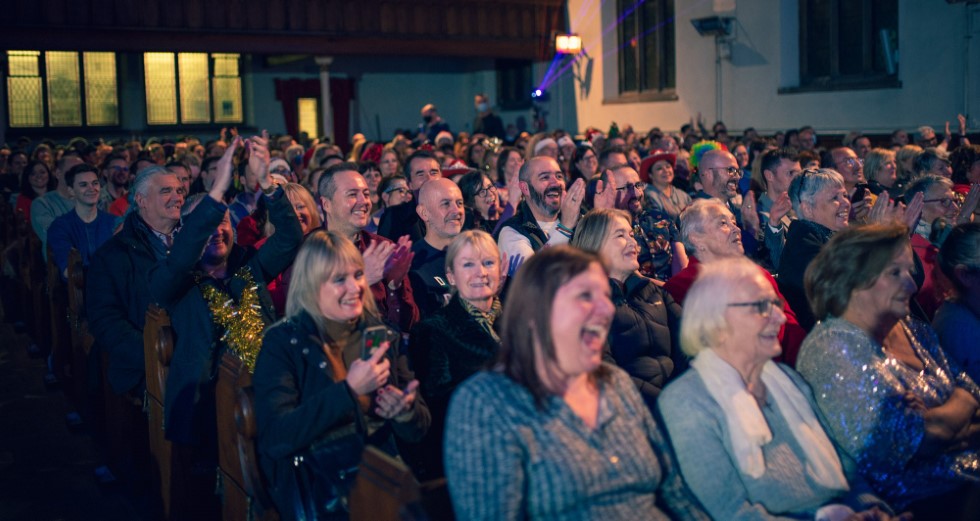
<point>733,171</point>
<point>945,202</point>
<point>638,186</point>
<point>482,192</point>
<point>769,304</point>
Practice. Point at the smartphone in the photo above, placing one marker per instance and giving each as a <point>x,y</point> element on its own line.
<point>373,337</point>
<point>859,192</point>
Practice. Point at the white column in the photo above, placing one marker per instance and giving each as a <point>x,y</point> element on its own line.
<point>326,110</point>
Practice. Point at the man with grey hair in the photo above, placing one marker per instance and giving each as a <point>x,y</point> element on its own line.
<point>116,289</point>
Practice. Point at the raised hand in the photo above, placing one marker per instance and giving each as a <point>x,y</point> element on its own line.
<point>258,159</point>
<point>571,204</point>
<point>222,177</point>
<point>375,256</point>
<point>364,376</point>
<point>396,404</point>
<point>861,209</point>
<point>969,205</point>
<point>913,211</point>
<point>605,192</point>
<point>780,208</point>
<point>400,261</point>
<point>750,214</point>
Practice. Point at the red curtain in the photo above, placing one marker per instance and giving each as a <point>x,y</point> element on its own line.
<point>288,92</point>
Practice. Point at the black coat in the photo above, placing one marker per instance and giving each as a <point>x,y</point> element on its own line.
<point>189,413</point>
<point>803,242</point>
<point>298,399</point>
<point>116,297</point>
<point>445,349</point>
<point>644,338</point>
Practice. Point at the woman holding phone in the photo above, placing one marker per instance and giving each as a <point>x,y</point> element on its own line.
<point>317,377</point>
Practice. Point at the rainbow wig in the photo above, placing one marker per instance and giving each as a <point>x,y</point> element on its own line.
<point>700,148</point>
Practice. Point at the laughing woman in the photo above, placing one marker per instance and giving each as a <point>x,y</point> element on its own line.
<point>901,410</point>
<point>551,432</point>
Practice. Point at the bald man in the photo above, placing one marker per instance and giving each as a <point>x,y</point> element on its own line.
<point>719,174</point>
<point>441,209</point>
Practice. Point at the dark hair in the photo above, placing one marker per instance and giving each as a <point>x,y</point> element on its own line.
<point>418,154</point>
<point>364,166</point>
<point>852,260</point>
<point>326,186</point>
<point>112,157</point>
<point>962,160</point>
<point>502,157</point>
<point>385,183</point>
<point>961,248</point>
<point>925,161</point>
<point>25,179</point>
<point>79,169</point>
<point>772,158</point>
<point>608,151</point>
<point>470,184</point>
<point>573,169</point>
<point>526,332</point>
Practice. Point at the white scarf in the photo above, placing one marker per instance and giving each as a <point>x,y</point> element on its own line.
<point>748,428</point>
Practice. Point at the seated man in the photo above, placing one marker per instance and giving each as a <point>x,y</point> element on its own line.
<point>420,167</point>
<point>441,209</point>
<point>87,227</point>
<point>116,284</point>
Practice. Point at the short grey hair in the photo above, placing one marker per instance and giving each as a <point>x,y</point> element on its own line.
<point>704,324</point>
<point>142,184</point>
<point>924,184</point>
<point>805,187</point>
<point>694,218</point>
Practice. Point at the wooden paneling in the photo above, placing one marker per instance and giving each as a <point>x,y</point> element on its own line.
<point>475,28</point>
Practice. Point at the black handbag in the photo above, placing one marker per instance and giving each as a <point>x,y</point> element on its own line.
<point>325,472</point>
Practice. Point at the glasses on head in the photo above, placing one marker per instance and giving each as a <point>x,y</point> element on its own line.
<point>280,171</point>
<point>762,307</point>
<point>732,170</point>
<point>636,186</point>
<point>945,202</point>
<point>398,189</point>
<point>486,190</point>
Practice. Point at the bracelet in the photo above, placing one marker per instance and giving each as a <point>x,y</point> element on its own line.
<point>565,230</point>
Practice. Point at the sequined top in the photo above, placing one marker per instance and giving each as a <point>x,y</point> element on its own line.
<point>860,392</point>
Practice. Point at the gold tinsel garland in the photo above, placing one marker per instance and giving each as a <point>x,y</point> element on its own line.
<point>243,323</point>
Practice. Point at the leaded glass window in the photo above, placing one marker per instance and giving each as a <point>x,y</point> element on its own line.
<point>227,86</point>
<point>49,88</point>
<point>25,101</point>
<point>195,98</point>
<point>308,117</point>
<point>101,98</point>
<point>190,89</point>
<point>161,88</point>
<point>64,89</point>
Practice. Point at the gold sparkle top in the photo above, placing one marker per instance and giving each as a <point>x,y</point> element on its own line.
<point>242,322</point>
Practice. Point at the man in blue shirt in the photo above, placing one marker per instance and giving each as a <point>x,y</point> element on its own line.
<point>86,228</point>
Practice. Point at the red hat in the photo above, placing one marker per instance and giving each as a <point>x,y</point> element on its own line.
<point>457,167</point>
<point>650,160</point>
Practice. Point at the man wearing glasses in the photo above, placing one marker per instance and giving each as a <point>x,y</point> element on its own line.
<point>115,180</point>
<point>719,174</point>
<point>851,168</point>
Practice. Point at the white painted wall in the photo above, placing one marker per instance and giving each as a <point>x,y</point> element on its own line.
<point>764,57</point>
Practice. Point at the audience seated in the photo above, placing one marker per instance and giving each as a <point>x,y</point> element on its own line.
<point>86,227</point>
<point>958,320</point>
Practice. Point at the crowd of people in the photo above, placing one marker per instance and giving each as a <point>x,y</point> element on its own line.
<point>682,325</point>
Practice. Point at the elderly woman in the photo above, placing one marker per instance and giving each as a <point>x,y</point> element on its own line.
<point>551,432</point>
<point>744,429</point>
<point>644,336</point>
<point>657,170</point>
<point>881,171</point>
<point>822,208</point>
<point>480,195</point>
<point>709,233</point>
<point>319,380</point>
<point>958,320</point>
<point>459,339</point>
<point>901,410</point>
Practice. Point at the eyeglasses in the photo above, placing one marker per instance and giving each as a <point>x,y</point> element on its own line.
<point>945,202</point>
<point>762,307</point>
<point>486,190</point>
<point>119,169</point>
<point>281,171</point>
<point>732,170</point>
<point>401,191</point>
<point>636,186</point>
<point>854,162</point>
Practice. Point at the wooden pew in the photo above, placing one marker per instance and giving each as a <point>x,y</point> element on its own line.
<point>33,273</point>
<point>57,313</point>
<point>244,494</point>
<point>386,490</point>
<point>81,339</point>
<point>158,345</point>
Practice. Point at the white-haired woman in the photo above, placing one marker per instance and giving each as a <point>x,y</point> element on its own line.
<point>747,439</point>
<point>316,379</point>
<point>709,233</point>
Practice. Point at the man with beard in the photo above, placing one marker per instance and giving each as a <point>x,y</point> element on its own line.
<point>547,216</point>
<point>653,229</point>
<point>205,278</point>
<point>346,202</point>
<point>719,174</point>
<point>441,209</point>
<point>115,180</point>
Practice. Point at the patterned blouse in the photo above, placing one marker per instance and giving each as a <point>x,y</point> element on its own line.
<point>507,459</point>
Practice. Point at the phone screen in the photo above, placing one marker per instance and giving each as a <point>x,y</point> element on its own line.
<point>373,336</point>
<point>859,192</point>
